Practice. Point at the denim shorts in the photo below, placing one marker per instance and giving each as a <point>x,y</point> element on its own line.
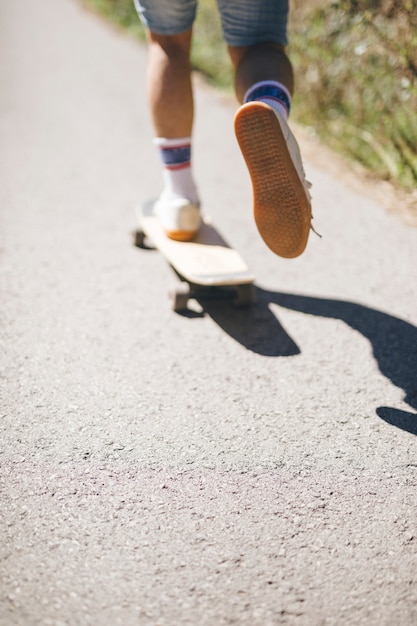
<point>244,22</point>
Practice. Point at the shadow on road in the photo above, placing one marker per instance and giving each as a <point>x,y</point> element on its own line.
<point>394,341</point>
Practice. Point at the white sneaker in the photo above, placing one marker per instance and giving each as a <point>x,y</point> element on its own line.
<point>281,197</point>
<point>179,217</point>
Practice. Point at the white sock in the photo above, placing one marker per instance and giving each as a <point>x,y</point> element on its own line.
<point>177,176</point>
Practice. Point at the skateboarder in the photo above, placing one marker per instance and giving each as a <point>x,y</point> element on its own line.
<point>255,33</point>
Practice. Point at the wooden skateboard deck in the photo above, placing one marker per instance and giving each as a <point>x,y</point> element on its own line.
<point>206,266</point>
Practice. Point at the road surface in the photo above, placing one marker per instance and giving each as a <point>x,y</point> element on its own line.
<point>221,467</point>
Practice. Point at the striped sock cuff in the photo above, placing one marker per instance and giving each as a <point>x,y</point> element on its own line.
<point>175,153</point>
<point>270,90</point>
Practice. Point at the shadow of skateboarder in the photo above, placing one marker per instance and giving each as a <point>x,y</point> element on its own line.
<point>393,341</point>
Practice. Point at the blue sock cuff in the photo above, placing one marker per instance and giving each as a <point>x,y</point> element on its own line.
<point>175,156</point>
<point>271,90</point>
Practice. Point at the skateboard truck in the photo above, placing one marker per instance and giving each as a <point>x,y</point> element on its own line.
<point>182,291</point>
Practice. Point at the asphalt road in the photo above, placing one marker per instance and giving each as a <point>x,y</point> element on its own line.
<point>223,467</point>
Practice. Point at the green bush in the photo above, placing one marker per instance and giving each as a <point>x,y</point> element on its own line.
<point>356,65</point>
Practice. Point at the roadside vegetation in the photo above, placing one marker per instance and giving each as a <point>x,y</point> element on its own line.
<point>356,74</point>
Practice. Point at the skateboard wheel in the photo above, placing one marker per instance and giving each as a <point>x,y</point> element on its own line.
<point>180,295</point>
<point>139,238</point>
<point>245,295</point>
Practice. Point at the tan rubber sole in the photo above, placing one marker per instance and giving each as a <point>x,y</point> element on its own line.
<point>282,210</point>
<point>181,235</point>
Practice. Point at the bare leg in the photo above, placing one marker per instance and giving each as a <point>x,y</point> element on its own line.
<point>169,84</point>
<point>171,105</point>
<point>260,62</point>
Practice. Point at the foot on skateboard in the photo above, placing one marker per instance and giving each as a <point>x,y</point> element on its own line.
<point>205,267</point>
<point>179,217</point>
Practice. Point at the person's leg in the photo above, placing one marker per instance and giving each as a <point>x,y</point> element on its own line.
<point>256,38</point>
<point>170,96</point>
<point>169,86</point>
<point>260,62</point>
<point>282,207</point>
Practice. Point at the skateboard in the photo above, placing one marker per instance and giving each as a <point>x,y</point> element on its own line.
<point>206,267</point>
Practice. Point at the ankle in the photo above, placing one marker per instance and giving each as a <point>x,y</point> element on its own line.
<point>273,93</point>
<point>170,195</point>
<point>177,175</point>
